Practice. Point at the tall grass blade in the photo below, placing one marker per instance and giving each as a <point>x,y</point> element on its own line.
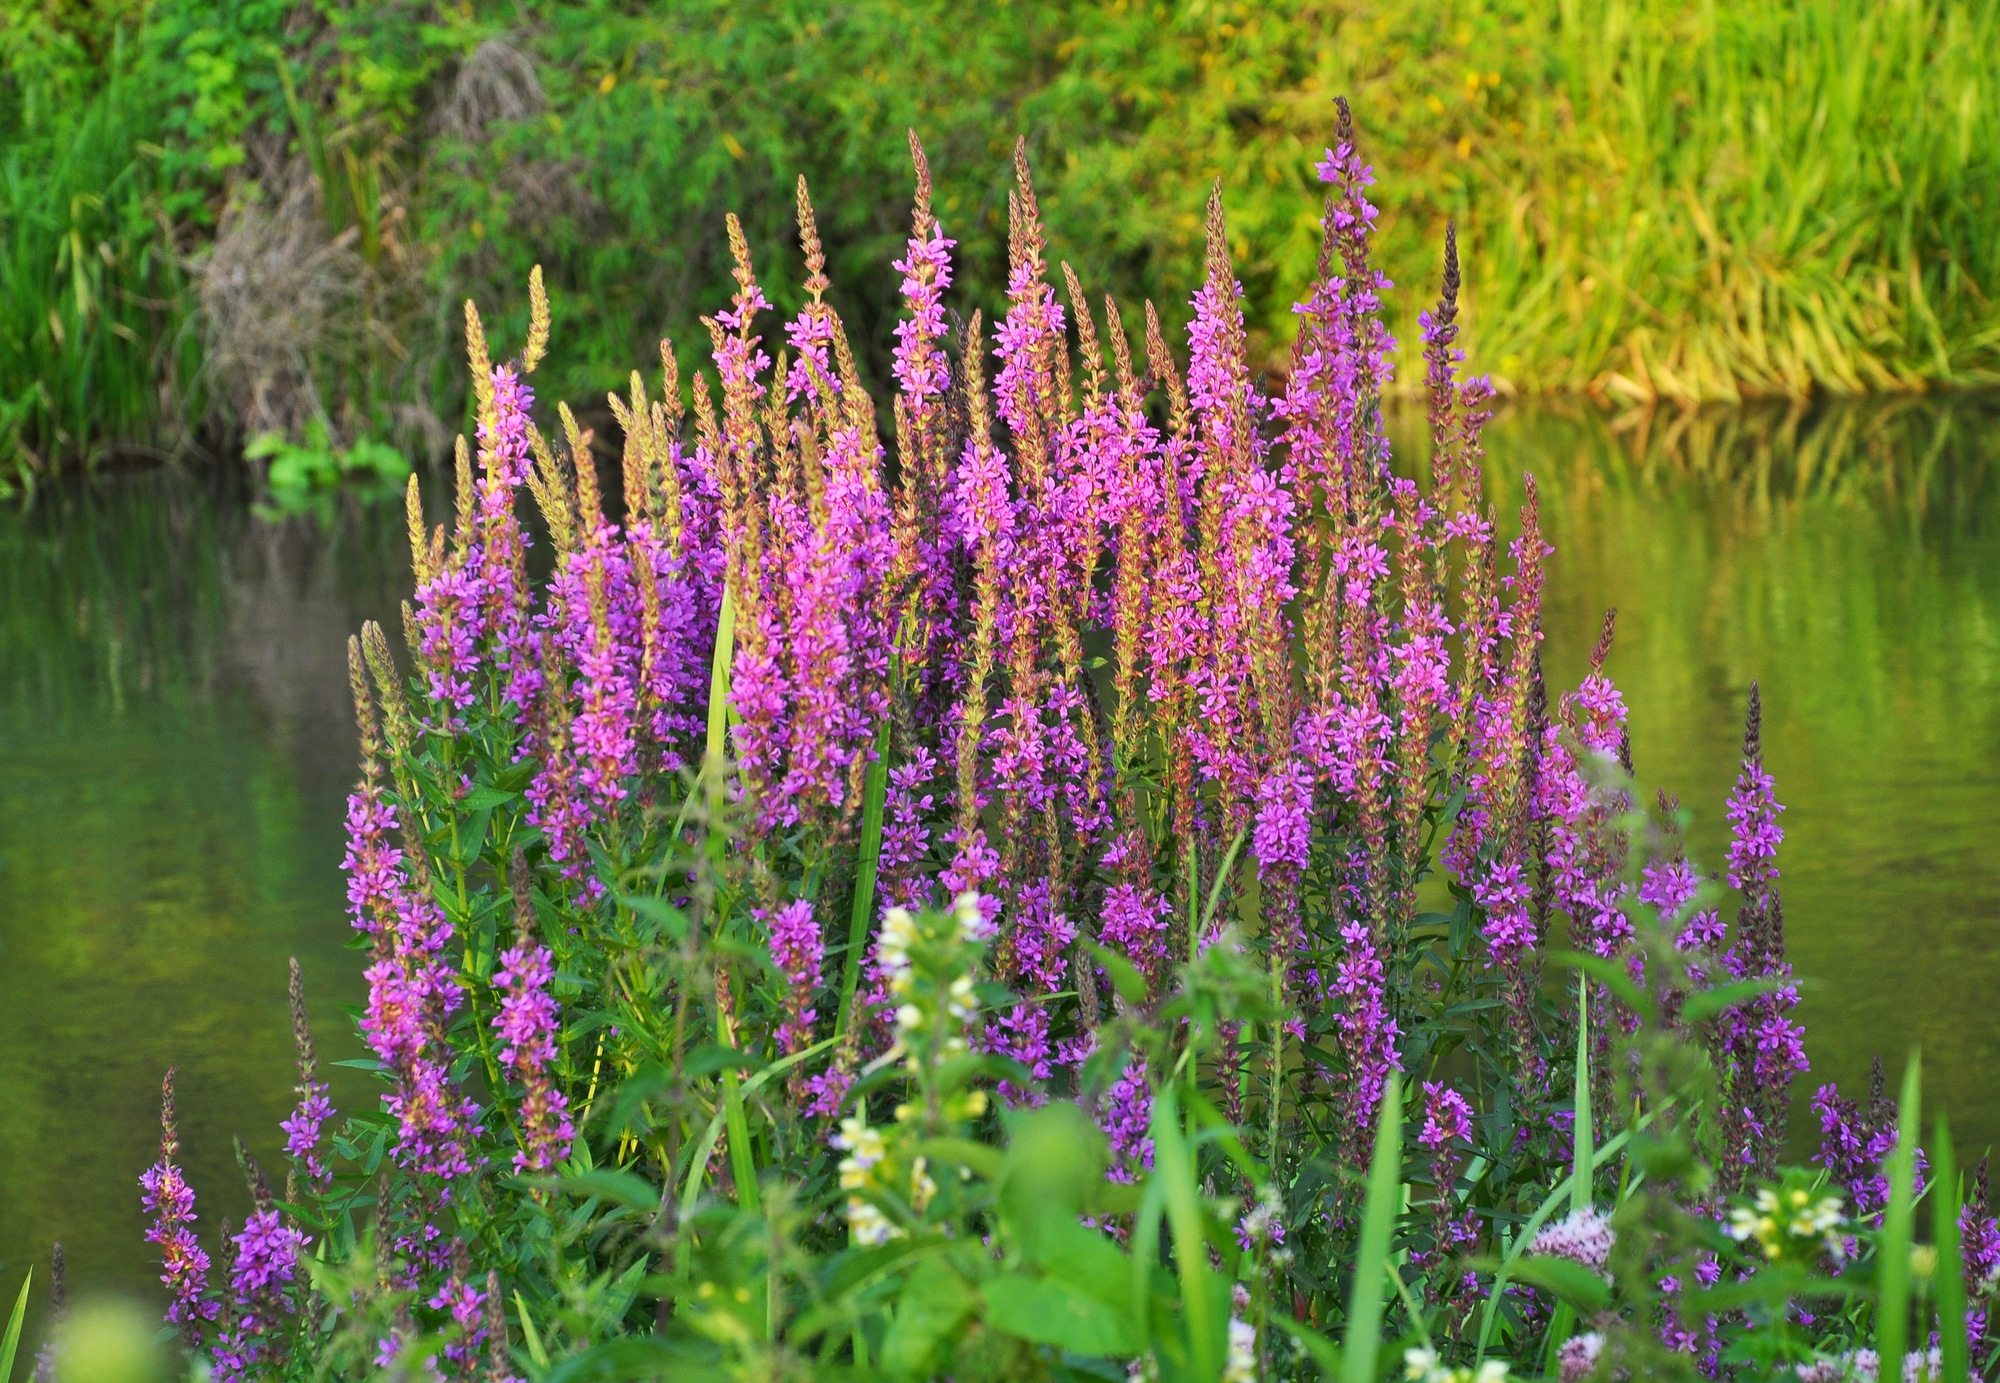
<point>874,793</point>
<point>717,746</point>
<point>1371,1261</point>
<point>1173,1165</point>
<point>1945,1204</point>
<point>1583,1153</point>
<point>1221,879</point>
<point>742,1162</point>
<point>1892,1309</point>
<point>12,1341</point>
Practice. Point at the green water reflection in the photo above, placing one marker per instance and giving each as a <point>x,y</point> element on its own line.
<point>1850,561</point>
<point>175,747</point>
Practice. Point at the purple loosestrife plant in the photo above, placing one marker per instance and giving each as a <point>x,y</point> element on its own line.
<point>305,1129</point>
<point>265,1277</point>
<point>170,1201</point>
<point>1762,1045</point>
<point>527,1025</point>
<point>1094,759</point>
<point>1446,1134</point>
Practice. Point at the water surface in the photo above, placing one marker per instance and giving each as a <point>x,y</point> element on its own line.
<point>176,745</point>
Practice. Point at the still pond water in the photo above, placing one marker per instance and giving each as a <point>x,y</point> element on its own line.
<point>176,745</point>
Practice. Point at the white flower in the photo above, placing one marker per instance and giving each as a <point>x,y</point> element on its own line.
<point>865,1148</point>
<point>868,1225</point>
<point>1864,1366</point>
<point>1423,1366</point>
<point>971,918</point>
<point>1794,1215</point>
<point>899,933</point>
<point>1242,1363</point>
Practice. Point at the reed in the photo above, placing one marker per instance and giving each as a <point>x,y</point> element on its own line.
<point>95,361</point>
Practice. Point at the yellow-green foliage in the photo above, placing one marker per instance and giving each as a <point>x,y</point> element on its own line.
<point>1682,199</point>
<point>1674,199</point>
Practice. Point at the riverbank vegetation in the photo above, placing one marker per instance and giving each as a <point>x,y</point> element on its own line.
<point>227,218</point>
<point>1097,886</point>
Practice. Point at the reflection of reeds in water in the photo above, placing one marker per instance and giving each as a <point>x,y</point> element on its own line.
<point>1930,461</point>
<point>161,590</point>
<point>1848,556</point>
<point>174,753</point>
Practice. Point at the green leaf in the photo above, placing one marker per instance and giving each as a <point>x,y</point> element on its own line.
<point>1770,1286</point>
<point>529,1333</point>
<point>12,1340</point>
<point>1082,1260</point>
<point>1049,1313</point>
<point>1053,1160</point>
<point>1945,1204</point>
<point>1324,1352</point>
<point>1180,1198</point>
<point>621,1187</point>
<point>1582,1149</point>
<point>516,776</point>
<point>935,1303</point>
<point>1571,1282</point>
<point>265,445</point>
<point>1609,973</point>
<point>963,1152</point>
<point>1892,1311</point>
<point>1724,997</point>
<point>1125,976</point>
<point>1222,877</point>
<point>861,916</point>
<point>1113,1198</point>
<point>711,1057</point>
<point>636,1356</point>
<point>1365,1306</point>
<point>471,838</point>
<point>857,1268</point>
<point>485,799</point>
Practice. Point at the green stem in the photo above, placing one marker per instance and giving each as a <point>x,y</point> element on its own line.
<point>1221,877</point>
<point>742,1161</point>
<point>874,794</point>
<point>718,701</point>
<point>1194,898</point>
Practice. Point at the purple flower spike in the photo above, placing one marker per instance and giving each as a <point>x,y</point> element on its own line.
<point>1763,1045</point>
<point>528,1025</point>
<point>305,1128</point>
<point>1367,1033</point>
<point>170,1201</point>
<point>799,950</point>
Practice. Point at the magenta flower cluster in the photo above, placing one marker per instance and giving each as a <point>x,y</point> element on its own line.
<point>1168,662</point>
<point>170,1201</point>
<point>527,1025</point>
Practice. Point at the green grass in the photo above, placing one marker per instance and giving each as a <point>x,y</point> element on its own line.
<point>1680,200</point>
<point>94,357</point>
